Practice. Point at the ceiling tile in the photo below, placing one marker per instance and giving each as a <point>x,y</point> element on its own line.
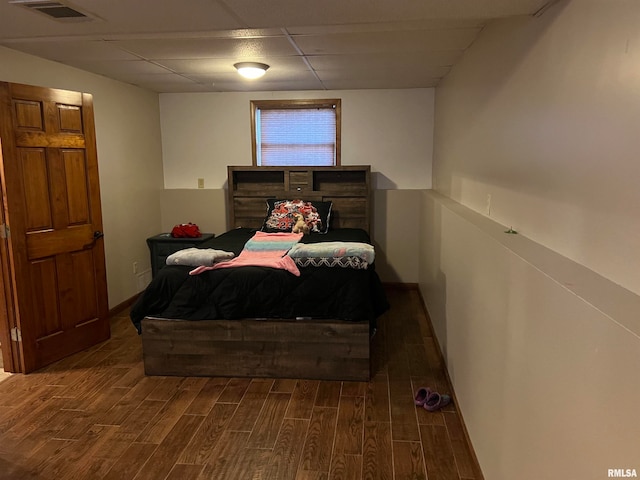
<point>259,13</point>
<point>121,16</point>
<point>279,67</point>
<point>160,78</point>
<point>393,61</point>
<point>161,87</point>
<point>201,66</point>
<point>386,42</point>
<point>267,86</point>
<point>121,68</point>
<point>388,26</point>
<point>415,72</point>
<point>358,84</point>
<point>71,50</point>
<point>192,48</point>
<point>296,75</point>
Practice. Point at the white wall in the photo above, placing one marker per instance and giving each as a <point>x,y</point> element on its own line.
<point>129,158</point>
<point>542,114</point>
<point>542,344</point>
<point>391,130</point>
<point>543,354</point>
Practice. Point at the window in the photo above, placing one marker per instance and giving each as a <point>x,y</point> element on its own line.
<point>295,132</point>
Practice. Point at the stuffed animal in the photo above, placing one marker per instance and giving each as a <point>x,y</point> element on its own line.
<point>300,226</point>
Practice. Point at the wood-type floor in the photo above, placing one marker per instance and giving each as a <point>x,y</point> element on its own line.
<point>95,415</point>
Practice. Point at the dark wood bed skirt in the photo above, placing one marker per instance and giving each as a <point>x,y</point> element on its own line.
<point>310,349</point>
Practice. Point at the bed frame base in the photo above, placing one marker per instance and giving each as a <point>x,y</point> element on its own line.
<point>309,349</point>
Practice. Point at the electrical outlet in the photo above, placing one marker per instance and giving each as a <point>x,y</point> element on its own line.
<point>201,183</point>
<point>135,268</point>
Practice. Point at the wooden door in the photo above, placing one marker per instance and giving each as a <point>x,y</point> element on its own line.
<point>55,279</point>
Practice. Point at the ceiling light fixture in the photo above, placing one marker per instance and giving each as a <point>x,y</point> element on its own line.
<point>251,70</point>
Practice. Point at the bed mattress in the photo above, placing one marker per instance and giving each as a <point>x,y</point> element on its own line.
<point>265,293</point>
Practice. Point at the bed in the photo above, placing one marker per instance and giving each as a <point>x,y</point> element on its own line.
<point>309,320</point>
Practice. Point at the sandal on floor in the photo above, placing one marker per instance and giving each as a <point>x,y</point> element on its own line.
<point>435,401</point>
<point>421,396</point>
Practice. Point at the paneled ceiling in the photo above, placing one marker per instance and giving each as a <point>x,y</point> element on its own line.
<point>191,45</point>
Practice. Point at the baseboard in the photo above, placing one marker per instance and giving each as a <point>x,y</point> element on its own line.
<point>123,306</point>
<point>474,458</point>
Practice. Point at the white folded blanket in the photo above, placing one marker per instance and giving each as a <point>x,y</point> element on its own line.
<point>195,257</point>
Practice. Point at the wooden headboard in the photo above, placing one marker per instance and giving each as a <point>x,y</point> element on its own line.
<point>349,188</point>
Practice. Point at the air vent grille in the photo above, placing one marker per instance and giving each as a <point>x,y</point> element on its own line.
<point>56,10</point>
<point>62,12</point>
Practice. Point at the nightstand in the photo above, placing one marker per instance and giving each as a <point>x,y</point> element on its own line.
<point>163,245</point>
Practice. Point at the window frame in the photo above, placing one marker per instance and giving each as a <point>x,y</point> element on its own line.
<point>300,104</point>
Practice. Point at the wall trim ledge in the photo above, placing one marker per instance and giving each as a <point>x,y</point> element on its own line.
<point>619,304</point>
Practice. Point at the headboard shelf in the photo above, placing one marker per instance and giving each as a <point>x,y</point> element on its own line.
<point>348,187</point>
<point>347,181</point>
<point>257,181</point>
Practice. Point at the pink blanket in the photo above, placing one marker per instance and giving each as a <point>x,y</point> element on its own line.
<point>262,250</point>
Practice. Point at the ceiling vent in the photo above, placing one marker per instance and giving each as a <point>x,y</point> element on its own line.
<point>62,12</point>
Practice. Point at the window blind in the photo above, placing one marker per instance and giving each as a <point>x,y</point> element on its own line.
<point>296,136</point>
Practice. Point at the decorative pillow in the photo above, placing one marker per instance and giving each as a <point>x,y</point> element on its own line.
<point>348,261</point>
<point>280,215</point>
<point>194,257</point>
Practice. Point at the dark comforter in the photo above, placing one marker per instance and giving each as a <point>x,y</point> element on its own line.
<point>258,292</point>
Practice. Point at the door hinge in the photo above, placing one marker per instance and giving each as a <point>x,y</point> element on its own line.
<point>16,334</point>
<point>4,231</point>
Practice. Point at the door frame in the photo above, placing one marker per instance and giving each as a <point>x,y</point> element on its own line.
<point>10,354</point>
